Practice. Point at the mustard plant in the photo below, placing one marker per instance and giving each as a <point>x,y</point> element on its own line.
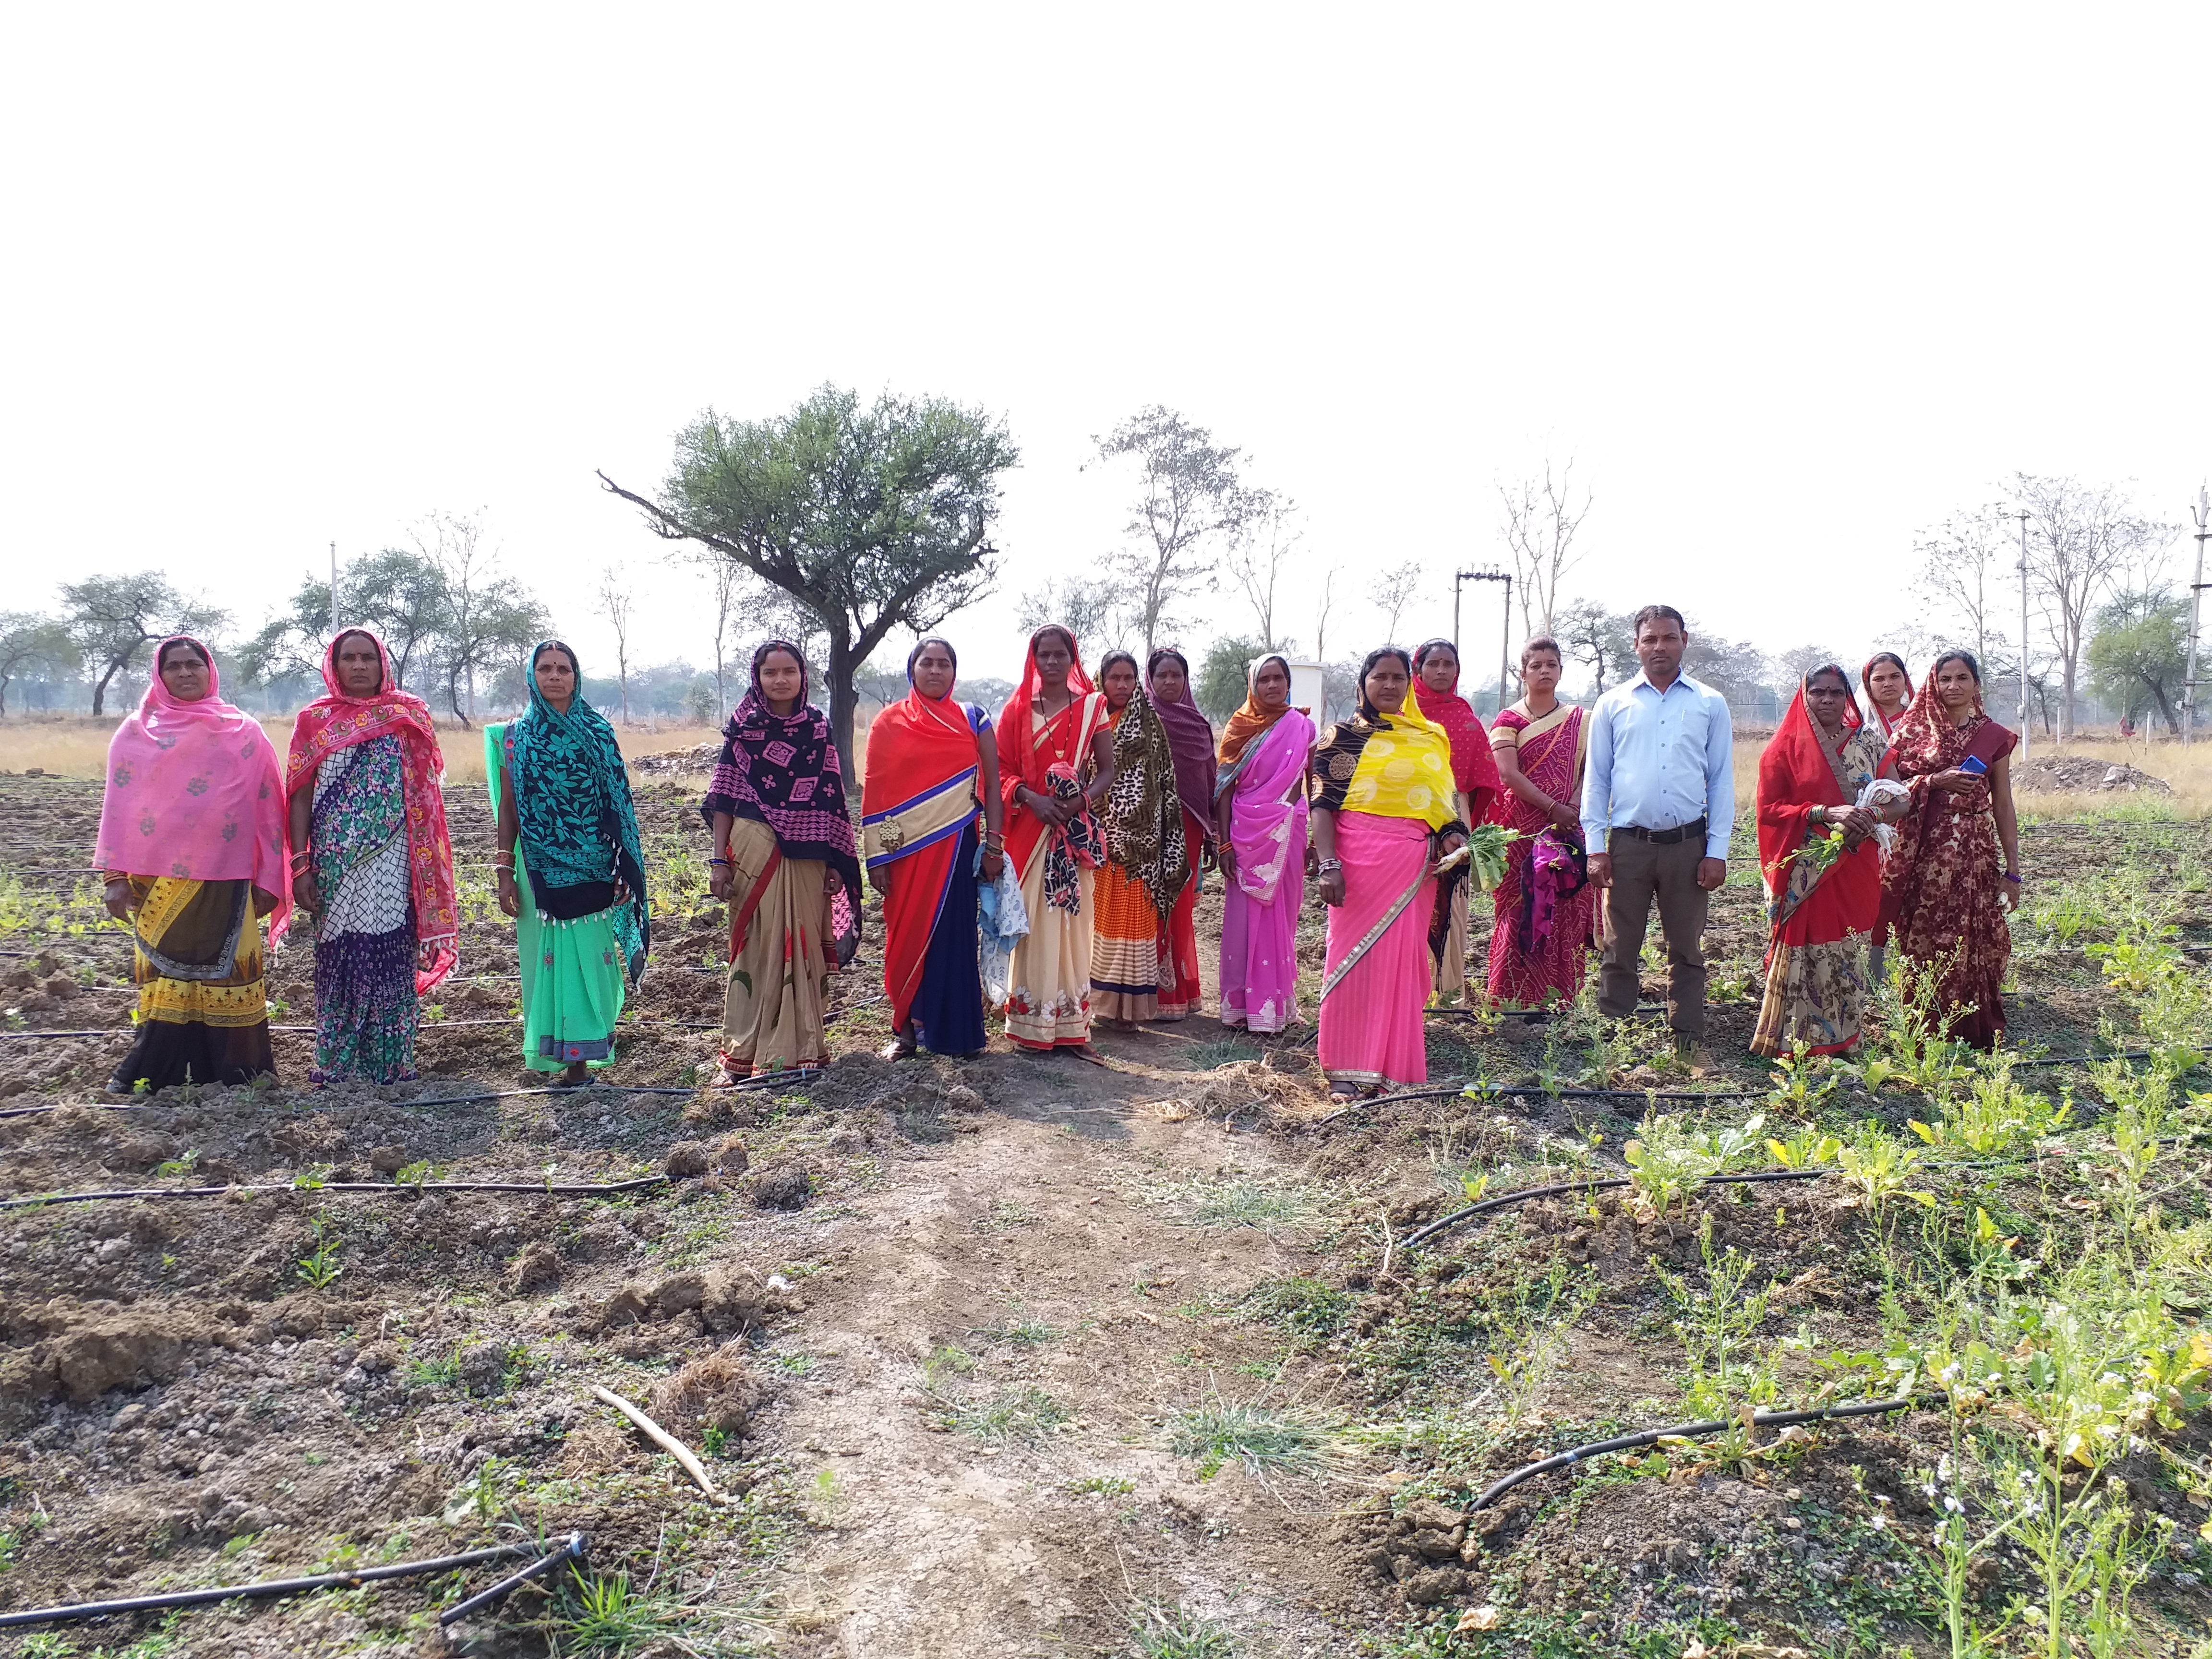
<point>1729,1377</point>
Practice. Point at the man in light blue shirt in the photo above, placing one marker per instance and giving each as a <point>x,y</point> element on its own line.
<point>1658,807</point>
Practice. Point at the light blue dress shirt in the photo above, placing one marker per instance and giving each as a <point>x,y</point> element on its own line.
<point>1659,760</point>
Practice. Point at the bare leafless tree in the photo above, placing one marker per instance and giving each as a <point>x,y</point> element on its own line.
<point>1322,607</point>
<point>1964,560</point>
<point>1541,518</point>
<point>1392,593</point>
<point>724,578</point>
<point>487,614</point>
<point>1801,659</point>
<point>1094,611</point>
<point>1271,532</point>
<point>615,601</point>
<point>2081,538</point>
<point>1191,501</point>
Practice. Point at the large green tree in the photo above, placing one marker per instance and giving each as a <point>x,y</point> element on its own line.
<point>1221,675</point>
<point>113,618</point>
<point>32,645</point>
<point>291,642</point>
<point>870,518</point>
<point>2139,655</point>
<point>401,595</point>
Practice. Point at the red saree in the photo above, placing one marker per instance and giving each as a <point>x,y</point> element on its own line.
<point>917,801</point>
<point>1815,979</point>
<point>1542,913</point>
<point>1049,997</point>
<point>1943,888</point>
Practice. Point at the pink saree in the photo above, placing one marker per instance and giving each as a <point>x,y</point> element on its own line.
<point>1372,998</point>
<point>1260,911</point>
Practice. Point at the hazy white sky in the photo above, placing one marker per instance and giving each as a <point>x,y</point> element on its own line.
<point>1789,283</point>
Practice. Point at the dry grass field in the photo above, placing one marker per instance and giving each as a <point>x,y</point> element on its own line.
<point>75,746</point>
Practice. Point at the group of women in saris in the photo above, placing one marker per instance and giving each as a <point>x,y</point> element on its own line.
<point>1091,812</point>
<point>1103,802</point>
<point>203,834</point>
<point>1900,825</point>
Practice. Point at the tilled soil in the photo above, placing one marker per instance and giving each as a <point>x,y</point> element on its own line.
<point>952,1337</point>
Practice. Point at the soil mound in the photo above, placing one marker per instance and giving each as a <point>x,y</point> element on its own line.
<point>701,759</point>
<point>2075,774</point>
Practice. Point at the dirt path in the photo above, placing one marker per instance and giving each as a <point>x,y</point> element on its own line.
<point>1020,1268</point>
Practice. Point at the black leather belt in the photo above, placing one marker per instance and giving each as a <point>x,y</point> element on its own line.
<point>1666,837</point>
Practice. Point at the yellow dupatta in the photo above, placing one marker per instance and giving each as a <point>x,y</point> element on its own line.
<point>1404,770</point>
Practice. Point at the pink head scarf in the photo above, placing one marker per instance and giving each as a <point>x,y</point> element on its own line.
<point>195,792</point>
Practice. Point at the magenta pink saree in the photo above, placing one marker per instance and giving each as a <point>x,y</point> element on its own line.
<point>1260,912</point>
<point>1370,1010</point>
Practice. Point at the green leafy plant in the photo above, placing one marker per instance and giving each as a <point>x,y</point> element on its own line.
<point>1102,1485</point>
<point>482,1495</point>
<point>1808,1149</point>
<point>1728,1379</point>
<point>1992,1113</point>
<point>1668,1159</point>
<point>1877,1166</point>
<point>1803,1082</point>
<point>320,1270</point>
<point>2079,1378</point>
<point>1533,1329</point>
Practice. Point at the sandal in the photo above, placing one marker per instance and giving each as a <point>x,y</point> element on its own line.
<point>899,1048</point>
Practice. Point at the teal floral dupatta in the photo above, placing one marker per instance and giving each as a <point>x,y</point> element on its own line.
<point>573,802</point>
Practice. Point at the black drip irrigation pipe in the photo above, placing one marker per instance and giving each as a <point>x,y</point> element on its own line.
<point>1537,1014</point>
<point>552,1189</point>
<point>774,1081</point>
<point>274,1587</point>
<point>1603,1184</point>
<point>1693,1431</point>
<point>1537,1091</point>
<point>432,1024</point>
<point>573,1550</point>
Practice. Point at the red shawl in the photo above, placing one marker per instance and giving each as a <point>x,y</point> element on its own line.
<point>1796,779</point>
<point>1474,769</point>
<point>1026,757</point>
<point>338,720</point>
<point>916,747</point>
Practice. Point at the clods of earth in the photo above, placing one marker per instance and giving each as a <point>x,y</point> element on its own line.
<point>1020,1356</point>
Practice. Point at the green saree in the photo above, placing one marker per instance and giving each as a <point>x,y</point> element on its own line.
<point>574,973</point>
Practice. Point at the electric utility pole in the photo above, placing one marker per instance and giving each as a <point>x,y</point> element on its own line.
<point>1505,633</point>
<point>2202,512</point>
<point>2023,637</point>
<point>334,590</point>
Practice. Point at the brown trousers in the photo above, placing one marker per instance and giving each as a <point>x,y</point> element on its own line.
<point>1640,869</point>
